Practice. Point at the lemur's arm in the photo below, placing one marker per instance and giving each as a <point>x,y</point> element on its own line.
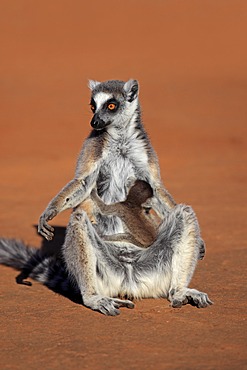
<point>165,196</point>
<point>105,209</point>
<point>77,189</point>
<point>162,199</point>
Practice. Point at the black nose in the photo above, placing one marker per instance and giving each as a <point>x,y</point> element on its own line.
<point>98,123</point>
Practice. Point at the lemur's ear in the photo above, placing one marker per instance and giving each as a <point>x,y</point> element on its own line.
<point>92,84</point>
<point>132,88</point>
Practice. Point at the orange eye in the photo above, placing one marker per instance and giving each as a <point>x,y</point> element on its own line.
<point>92,108</point>
<point>111,106</point>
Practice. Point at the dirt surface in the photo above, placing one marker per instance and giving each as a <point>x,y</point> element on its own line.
<point>190,59</point>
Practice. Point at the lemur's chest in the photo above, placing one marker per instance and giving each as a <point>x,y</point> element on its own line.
<point>129,153</point>
<point>123,161</point>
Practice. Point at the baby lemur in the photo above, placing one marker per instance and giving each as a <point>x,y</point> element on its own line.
<point>140,225</point>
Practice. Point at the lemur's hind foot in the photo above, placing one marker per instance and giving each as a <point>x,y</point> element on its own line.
<point>189,296</point>
<point>107,306</point>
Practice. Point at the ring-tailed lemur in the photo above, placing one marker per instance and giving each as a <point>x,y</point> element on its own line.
<point>117,150</point>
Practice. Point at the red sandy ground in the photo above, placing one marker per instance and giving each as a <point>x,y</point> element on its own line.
<point>190,59</point>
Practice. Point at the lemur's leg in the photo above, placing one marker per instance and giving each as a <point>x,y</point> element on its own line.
<point>174,256</point>
<point>185,256</point>
<point>122,237</point>
<point>83,252</point>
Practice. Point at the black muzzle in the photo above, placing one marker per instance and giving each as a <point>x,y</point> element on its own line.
<point>98,123</point>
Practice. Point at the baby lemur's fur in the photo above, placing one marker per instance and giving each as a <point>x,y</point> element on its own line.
<point>140,226</point>
<point>117,150</point>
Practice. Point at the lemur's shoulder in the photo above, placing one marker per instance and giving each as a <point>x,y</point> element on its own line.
<point>90,152</point>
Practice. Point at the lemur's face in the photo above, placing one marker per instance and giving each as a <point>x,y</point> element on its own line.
<point>106,108</point>
<point>113,103</point>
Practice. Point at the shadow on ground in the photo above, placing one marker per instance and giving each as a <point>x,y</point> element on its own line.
<point>47,266</point>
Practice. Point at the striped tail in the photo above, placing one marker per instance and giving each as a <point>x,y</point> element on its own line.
<point>33,263</point>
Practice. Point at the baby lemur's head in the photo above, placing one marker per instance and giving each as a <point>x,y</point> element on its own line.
<point>139,193</point>
<point>113,103</point>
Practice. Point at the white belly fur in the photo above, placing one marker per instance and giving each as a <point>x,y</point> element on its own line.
<point>151,285</point>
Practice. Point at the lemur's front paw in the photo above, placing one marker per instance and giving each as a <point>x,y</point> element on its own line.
<point>46,230</point>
